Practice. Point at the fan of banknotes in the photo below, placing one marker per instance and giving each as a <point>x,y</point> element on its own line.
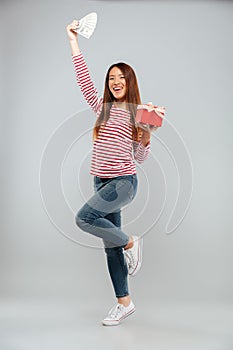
<point>87,24</point>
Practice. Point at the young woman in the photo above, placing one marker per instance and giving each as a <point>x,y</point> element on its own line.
<point>117,143</point>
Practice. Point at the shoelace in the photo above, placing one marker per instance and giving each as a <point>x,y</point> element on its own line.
<point>130,257</point>
<point>115,311</point>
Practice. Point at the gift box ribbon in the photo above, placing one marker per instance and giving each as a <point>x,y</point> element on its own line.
<point>158,110</point>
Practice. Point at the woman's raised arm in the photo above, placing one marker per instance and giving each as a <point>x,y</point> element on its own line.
<point>73,37</point>
<point>83,78</point>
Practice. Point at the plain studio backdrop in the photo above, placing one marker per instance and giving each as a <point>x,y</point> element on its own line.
<point>182,53</point>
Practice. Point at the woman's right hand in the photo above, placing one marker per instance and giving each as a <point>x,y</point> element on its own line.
<point>70,30</point>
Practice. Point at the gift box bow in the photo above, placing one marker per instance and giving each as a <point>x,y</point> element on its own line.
<point>160,111</point>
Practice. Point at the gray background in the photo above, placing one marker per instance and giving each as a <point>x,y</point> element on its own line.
<point>182,53</point>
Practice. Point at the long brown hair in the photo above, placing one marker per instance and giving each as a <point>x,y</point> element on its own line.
<point>132,99</point>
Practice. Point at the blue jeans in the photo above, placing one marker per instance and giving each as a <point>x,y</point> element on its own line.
<point>101,216</point>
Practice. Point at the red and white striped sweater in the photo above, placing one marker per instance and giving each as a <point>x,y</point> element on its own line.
<point>114,151</point>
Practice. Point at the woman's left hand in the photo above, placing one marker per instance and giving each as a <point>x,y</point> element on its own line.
<point>146,134</point>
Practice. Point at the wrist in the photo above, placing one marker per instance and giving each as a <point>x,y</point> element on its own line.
<point>72,40</point>
<point>74,47</point>
<point>145,140</point>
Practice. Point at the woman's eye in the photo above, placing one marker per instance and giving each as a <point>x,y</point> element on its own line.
<point>112,78</point>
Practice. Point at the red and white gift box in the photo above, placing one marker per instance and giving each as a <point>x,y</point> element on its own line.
<point>149,115</point>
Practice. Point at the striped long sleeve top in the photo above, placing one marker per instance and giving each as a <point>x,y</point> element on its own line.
<point>114,152</point>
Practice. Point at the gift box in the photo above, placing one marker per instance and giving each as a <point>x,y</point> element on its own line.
<point>150,115</point>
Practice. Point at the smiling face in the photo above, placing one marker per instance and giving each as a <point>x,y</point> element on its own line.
<point>117,84</point>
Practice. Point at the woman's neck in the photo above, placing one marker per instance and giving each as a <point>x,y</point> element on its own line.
<point>120,104</point>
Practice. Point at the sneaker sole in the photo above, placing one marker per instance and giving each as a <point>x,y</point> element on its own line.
<point>116,323</point>
<point>138,266</point>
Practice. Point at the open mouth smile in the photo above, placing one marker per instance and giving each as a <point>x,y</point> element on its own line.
<point>117,89</point>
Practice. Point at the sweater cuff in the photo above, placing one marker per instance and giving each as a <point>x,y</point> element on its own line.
<point>76,55</point>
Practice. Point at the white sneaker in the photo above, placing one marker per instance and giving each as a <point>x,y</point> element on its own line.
<point>118,313</point>
<point>134,256</point>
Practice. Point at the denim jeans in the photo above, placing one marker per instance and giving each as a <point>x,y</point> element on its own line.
<point>101,216</point>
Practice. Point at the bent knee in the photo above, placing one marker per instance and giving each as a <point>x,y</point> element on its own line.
<point>80,221</point>
<point>84,220</point>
